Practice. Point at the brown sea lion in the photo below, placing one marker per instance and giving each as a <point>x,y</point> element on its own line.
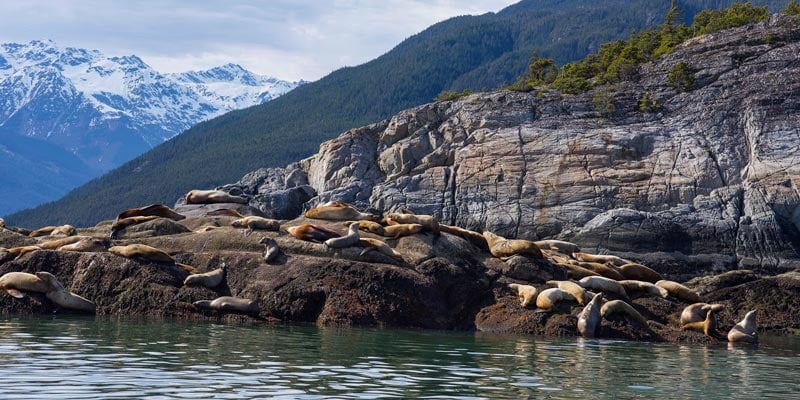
<point>603,284</point>
<point>338,211</point>
<point>576,272</point>
<point>209,279</point>
<point>348,240</point>
<point>67,230</point>
<point>370,244</point>
<point>639,272</point>
<point>589,320</point>
<point>311,233</point>
<point>212,196</point>
<point>573,288</point>
<point>22,250</point>
<point>143,251</point>
<point>679,291</point>
<point>548,298</point>
<point>16,282</point>
<point>636,288</point>
<point>120,224</point>
<point>62,297</point>
<point>54,244</point>
<point>471,236</point>
<point>369,226</point>
<point>621,307</point>
<point>707,326</point>
<point>745,331</point>
<point>697,312</point>
<point>501,247</point>
<point>400,230</point>
<point>607,270</point>
<point>558,245</point>
<point>429,222</point>
<point>224,212</point>
<point>256,223</point>
<point>153,210</point>
<point>600,258</point>
<point>88,245</point>
<point>271,249</point>
<point>230,304</point>
<point>525,293</point>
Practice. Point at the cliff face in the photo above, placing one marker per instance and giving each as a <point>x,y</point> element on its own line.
<point>708,181</point>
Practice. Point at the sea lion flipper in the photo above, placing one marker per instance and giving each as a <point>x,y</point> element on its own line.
<point>366,250</point>
<point>188,268</point>
<point>15,293</point>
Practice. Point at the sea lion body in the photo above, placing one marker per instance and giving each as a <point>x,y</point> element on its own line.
<point>351,239</point>
<point>697,312</point>
<point>603,284</point>
<point>123,223</point>
<point>400,230</point>
<point>501,247</point>
<point>547,299</point>
<point>525,293</point>
<point>67,230</point>
<point>209,279</point>
<point>311,233</point>
<point>574,289</point>
<point>370,226</point>
<point>590,319</point>
<point>64,298</point>
<point>471,236</point>
<point>575,271</point>
<point>381,247</point>
<point>257,223</point>
<point>271,250</point>
<point>212,196</point>
<point>679,291</point>
<point>87,245</point>
<point>153,210</point>
<point>142,251</point>
<point>639,272</point>
<point>745,331</point>
<point>429,222</point>
<point>338,211</point>
<point>55,244</point>
<point>14,282</point>
<point>229,303</point>
<point>558,245</point>
<point>639,288</point>
<point>600,258</point>
<point>22,250</point>
<point>601,269</point>
<point>621,307</point>
<point>707,326</point>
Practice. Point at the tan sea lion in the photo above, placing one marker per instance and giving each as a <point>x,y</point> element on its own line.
<point>22,250</point>
<point>525,293</point>
<point>312,233</point>
<point>745,331</point>
<point>348,240</point>
<point>429,222</point>
<point>400,230</point>
<point>88,245</point>
<point>16,282</point>
<point>589,320</point>
<point>369,226</point>
<point>67,230</point>
<point>558,245</point>
<point>707,326</point>
<point>501,247</point>
<point>143,251</point>
<point>640,288</point>
<point>621,307</point>
<point>471,236</point>
<point>600,258</point>
<point>639,272</point>
<point>697,312</point>
<point>606,270</point>
<point>123,223</point>
<point>576,272</point>
<point>271,249</point>
<point>229,303</point>
<point>54,244</point>
<point>209,279</point>
<point>603,284</point>
<point>679,291</point>
<point>574,289</point>
<point>62,297</point>
<point>256,223</point>
<point>153,210</point>
<point>370,244</point>
<point>338,211</point>
<point>548,298</point>
<point>212,196</point>
<point>224,212</point>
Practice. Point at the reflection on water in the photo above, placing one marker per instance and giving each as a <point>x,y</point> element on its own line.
<point>105,358</point>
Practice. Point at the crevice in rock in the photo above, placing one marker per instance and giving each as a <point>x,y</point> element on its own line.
<point>521,181</point>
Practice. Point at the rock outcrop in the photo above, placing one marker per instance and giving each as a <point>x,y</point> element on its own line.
<point>708,182</point>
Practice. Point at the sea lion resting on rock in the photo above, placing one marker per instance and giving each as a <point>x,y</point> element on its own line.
<point>63,298</point>
<point>607,270</point>
<point>229,303</point>
<point>745,331</point>
<point>271,250</point>
<point>501,247</point>
<point>471,236</point>
<point>256,223</point>
<point>525,293</point>
<point>87,244</point>
<point>15,282</point>
<point>54,244</point>
<point>548,298</point>
<point>590,319</point>
<point>633,287</point>
<point>149,253</point>
<point>697,312</point>
<point>558,245</point>
<point>123,223</point>
<point>369,226</point>
<point>707,326</point>
<point>679,291</point>
<point>639,272</point>
<point>212,196</point>
<point>573,288</point>
<point>22,250</point>
<point>575,271</point>
<point>209,279</point>
<point>351,239</point>
<point>429,222</point>
<point>603,284</point>
<point>370,244</point>
<point>399,230</point>
<point>600,258</point>
<point>621,307</point>
<point>67,230</point>
<point>311,233</point>
<point>153,210</point>
<point>338,211</point>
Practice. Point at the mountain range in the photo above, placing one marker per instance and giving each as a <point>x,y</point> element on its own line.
<point>67,114</point>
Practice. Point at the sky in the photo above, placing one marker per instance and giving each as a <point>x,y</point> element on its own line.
<point>287,39</point>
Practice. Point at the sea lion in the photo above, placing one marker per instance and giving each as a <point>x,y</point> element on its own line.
<point>574,289</point>
<point>256,223</point>
<point>548,298</point>
<point>600,258</point>
<point>639,288</point>
<point>311,233</point>
<point>87,244</point>
<point>123,223</point>
<point>15,282</point>
<point>639,272</point>
<point>209,279</point>
<point>745,331</point>
<point>207,228</point>
<point>501,247</point>
<point>22,250</point>
<point>153,210</point>
<point>63,298</point>
<point>400,230</point>
<point>229,303</point>
<point>558,245</point>
<point>369,226</point>
<point>370,244</point>
<point>67,230</point>
<point>338,211</point>
<point>601,269</point>
<point>576,272</point>
<point>212,196</point>
<point>679,291</point>
<point>697,312</point>
<point>54,244</point>
<point>271,249</point>
<point>589,320</point>
<point>525,293</point>
<point>351,239</point>
<point>471,236</point>
<point>707,326</point>
<point>429,222</point>
<point>224,212</point>
<point>603,284</point>
<point>143,251</point>
<point>621,307</point>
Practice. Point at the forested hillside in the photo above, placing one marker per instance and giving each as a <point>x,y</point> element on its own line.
<point>471,52</point>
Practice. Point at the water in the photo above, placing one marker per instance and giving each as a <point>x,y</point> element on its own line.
<point>106,358</point>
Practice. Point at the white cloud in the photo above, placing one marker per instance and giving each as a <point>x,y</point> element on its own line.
<point>288,39</point>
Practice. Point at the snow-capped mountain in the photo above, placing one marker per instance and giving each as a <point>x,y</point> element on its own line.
<point>104,110</point>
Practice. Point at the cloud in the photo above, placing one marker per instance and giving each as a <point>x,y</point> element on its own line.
<point>287,39</point>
